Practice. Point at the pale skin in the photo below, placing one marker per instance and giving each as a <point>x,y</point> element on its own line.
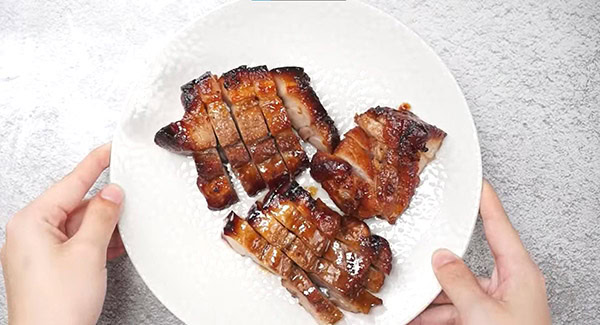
<point>54,260</point>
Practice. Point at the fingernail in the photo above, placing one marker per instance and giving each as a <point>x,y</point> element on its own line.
<point>113,193</point>
<point>442,257</point>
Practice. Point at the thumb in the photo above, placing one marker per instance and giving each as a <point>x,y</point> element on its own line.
<point>457,281</point>
<point>100,218</point>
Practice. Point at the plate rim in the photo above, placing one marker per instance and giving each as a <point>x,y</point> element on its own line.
<point>168,40</point>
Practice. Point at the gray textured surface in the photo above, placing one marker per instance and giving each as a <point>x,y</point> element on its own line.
<point>530,73</point>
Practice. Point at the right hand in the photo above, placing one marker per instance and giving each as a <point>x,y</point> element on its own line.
<point>516,292</point>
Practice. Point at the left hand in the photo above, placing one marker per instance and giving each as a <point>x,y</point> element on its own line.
<point>54,257</point>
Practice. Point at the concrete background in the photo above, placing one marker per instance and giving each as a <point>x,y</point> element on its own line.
<point>530,71</point>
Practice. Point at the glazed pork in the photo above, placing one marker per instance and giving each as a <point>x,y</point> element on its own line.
<point>241,117</point>
<point>311,298</point>
<point>307,114</point>
<point>238,91</point>
<point>193,135</point>
<point>375,170</point>
<point>277,120</point>
<point>247,242</point>
<point>330,251</point>
<point>227,134</point>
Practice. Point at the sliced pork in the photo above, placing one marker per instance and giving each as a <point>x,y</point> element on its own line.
<point>307,114</point>
<point>247,242</point>
<point>375,169</point>
<point>193,135</point>
<point>311,298</point>
<point>277,120</point>
<point>227,134</point>
<point>238,91</point>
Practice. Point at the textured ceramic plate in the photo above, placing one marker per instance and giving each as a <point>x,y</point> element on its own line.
<point>357,58</point>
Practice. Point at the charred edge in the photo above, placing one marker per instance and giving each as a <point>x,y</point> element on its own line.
<point>171,137</point>
<point>254,215</point>
<point>232,78</point>
<point>231,224</point>
<point>383,253</point>
<point>324,166</point>
<point>259,72</point>
<point>273,196</point>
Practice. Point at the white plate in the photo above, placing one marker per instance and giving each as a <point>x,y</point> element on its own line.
<point>357,57</point>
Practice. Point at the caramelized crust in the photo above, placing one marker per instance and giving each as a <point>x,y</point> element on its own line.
<point>292,152</point>
<point>192,133</point>
<point>269,162</point>
<point>326,220</point>
<point>375,169</point>
<point>311,298</point>
<point>285,212</point>
<point>362,303</point>
<point>343,261</point>
<point>213,180</point>
<point>244,240</point>
<point>375,280</point>
<point>227,134</point>
<point>277,120</point>
<point>271,105</point>
<point>238,91</point>
<point>307,114</point>
<point>383,254</point>
<point>277,235</point>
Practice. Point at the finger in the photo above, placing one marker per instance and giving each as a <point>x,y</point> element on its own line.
<point>76,218</point>
<point>503,239</point>
<point>457,281</point>
<point>437,315</point>
<point>68,192</point>
<point>443,299</point>
<point>101,218</point>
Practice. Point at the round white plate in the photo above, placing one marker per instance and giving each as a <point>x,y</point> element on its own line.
<point>357,57</point>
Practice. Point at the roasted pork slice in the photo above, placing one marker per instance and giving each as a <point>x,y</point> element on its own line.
<point>382,258</point>
<point>307,114</point>
<point>238,91</point>
<point>405,144</point>
<point>355,149</point>
<point>345,291</point>
<point>328,275</point>
<point>292,152</point>
<point>402,131</point>
<point>311,298</point>
<point>286,212</point>
<point>227,134</point>
<point>244,168</point>
<point>375,169</point>
<point>277,120</point>
<point>362,303</point>
<point>326,220</point>
<point>269,102</point>
<point>352,262</point>
<point>356,234</point>
<point>213,180</point>
<point>279,236</point>
<point>191,134</point>
<point>338,179</point>
<point>269,162</point>
<point>375,280</point>
<point>246,241</point>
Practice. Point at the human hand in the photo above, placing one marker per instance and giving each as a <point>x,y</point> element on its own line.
<point>516,292</point>
<point>54,257</point>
